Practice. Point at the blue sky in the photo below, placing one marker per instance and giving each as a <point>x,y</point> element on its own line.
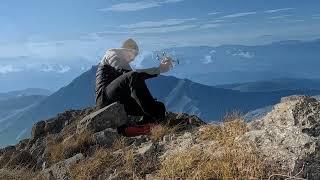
<point>47,35</point>
<point>73,25</point>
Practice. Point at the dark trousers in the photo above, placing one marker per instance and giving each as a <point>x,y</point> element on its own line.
<point>131,90</point>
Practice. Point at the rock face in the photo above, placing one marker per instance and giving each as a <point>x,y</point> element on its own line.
<point>56,124</point>
<point>289,134</point>
<point>111,116</point>
<point>106,137</point>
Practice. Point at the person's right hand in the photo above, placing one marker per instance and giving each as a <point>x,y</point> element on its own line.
<point>166,65</point>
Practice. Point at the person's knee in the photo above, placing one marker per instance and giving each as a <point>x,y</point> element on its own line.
<point>135,78</point>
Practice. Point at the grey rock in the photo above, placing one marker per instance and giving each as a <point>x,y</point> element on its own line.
<point>106,137</point>
<point>22,144</point>
<point>38,130</point>
<point>111,116</point>
<point>289,135</point>
<point>60,170</point>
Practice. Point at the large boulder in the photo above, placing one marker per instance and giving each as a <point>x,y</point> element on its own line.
<point>289,135</point>
<point>111,116</point>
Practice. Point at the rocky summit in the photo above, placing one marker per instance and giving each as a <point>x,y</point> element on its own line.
<point>84,144</point>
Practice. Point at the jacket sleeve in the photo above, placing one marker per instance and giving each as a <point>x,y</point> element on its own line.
<point>151,71</point>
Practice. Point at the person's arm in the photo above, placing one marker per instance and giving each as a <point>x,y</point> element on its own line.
<point>151,71</point>
<point>163,68</point>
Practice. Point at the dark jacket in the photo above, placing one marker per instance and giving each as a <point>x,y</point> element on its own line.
<point>104,76</point>
<point>110,68</point>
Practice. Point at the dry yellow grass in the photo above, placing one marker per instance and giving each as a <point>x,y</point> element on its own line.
<point>68,148</point>
<point>19,174</point>
<point>119,144</point>
<point>104,161</point>
<point>158,132</point>
<point>225,160</point>
<point>224,133</point>
<point>94,166</point>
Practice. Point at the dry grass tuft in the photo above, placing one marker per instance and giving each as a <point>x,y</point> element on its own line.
<point>158,132</point>
<point>105,162</point>
<point>19,174</point>
<point>129,160</point>
<point>94,166</point>
<point>119,144</point>
<point>225,133</point>
<point>226,159</point>
<point>70,147</point>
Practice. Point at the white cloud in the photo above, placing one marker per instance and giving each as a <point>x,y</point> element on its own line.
<point>316,16</point>
<point>296,20</point>
<point>278,10</point>
<point>8,69</point>
<point>55,68</point>
<point>63,69</point>
<point>208,26</point>
<point>163,29</point>
<point>280,17</point>
<point>147,30</point>
<point>214,13</point>
<point>137,6</point>
<point>217,21</point>
<point>244,54</point>
<point>167,22</point>
<point>239,14</point>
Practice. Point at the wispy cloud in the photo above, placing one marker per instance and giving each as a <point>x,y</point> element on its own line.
<point>55,68</point>
<point>147,30</point>
<point>280,17</point>
<point>239,14</point>
<point>243,54</point>
<point>137,6</point>
<point>214,13</point>
<point>278,10</point>
<point>8,69</point>
<point>208,26</point>
<point>163,29</point>
<point>216,21</point>
<point>167,22</point>
<point>316,16</point>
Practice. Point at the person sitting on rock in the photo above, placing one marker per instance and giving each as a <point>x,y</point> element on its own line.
<point>116,81</point>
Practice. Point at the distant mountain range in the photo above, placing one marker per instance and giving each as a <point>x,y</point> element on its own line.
<point>275,85</point>
<point>24,92</point>
<point>180,95</point>
<point>225,64</point>
<point>229,64</point>
<point>11,109</point>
